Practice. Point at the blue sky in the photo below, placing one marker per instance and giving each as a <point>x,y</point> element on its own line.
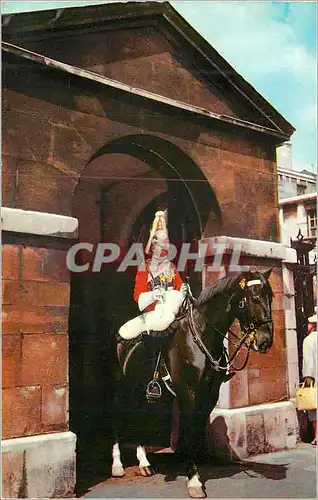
<point>271,44</point>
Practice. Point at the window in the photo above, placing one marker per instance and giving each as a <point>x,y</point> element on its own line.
<point>301,189</point>
<point>312,223</point>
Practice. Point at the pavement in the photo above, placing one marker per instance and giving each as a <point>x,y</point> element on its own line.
<point>284,474</point>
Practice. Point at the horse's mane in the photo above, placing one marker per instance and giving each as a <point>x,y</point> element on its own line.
<point>222,285</point>
<point>227,285</point>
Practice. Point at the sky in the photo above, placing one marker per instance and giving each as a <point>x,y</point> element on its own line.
<point>273,45</point>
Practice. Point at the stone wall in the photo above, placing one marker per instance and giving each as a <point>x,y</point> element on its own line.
<point>43,159</point>
<point>53,123</point>
<point>35,340</point>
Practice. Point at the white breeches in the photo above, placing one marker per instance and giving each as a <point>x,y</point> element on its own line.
<point>158,320</point>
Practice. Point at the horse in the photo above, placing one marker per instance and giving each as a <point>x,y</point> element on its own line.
<point>199,363</point>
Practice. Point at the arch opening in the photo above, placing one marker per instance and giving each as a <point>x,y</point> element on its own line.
<point>121,187</point>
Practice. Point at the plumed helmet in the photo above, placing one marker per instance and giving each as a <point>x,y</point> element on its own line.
<point>158,229</point>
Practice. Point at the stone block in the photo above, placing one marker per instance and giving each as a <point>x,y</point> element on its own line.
<point>45,188</point>
<point>55,408</point>
<point>30,319</point>
<point>21,411</point>
<point>293,377</point>
<point>13,475</point>
<point>40,223</point>
<point>39,466</point>
<point>11,360</point>
<point>44,359</point>
<point>258,187</point>
<point>20,293</point>
<point>269,385</point>
<point>54,294</point>
<point>11,262</point>
<point>267,221</point>
<point>9,180</point>
<point>238,433</point>
<point>44,264</point>
<point>255,434</point>
<point>71,150</point>
<point>290,429</point>
<point>274,431</point>
<point>26,137</point>
<point>291,339</point>
<point>33,293</point>
<point>32,263</point>
<point>239,219</point>
<point>239,389</point>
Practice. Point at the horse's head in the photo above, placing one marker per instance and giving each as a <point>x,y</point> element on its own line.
<point>252,305</point>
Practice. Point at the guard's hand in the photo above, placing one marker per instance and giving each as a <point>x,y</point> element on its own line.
<point>184,289</point>
<point>158,294</point>
<point>308,381</point>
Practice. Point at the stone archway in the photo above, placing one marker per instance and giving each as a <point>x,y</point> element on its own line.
<point>118,192</point>
<point>187,185</point>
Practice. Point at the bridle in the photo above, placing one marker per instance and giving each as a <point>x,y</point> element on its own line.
<point>248,326</point>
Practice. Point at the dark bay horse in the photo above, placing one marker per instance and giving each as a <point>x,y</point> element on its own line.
<point>198,363</point>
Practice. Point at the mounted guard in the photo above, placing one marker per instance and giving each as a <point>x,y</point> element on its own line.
<point>159,289</point>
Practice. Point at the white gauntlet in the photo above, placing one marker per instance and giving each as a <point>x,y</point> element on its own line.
<point>147,298</point>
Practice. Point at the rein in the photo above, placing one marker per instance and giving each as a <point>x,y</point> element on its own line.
<point>249,334</point>
<point>216,363</point>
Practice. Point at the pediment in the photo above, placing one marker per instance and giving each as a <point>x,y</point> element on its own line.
<point>148,46</point>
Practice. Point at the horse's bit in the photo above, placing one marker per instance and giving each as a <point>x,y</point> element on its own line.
<point>249,329</point>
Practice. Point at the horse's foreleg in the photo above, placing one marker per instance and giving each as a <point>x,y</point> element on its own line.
<point>144,464</point>
<point>187,450</point>
<point>195,487</point>
<point>195,428</point>
<point>117,466</point>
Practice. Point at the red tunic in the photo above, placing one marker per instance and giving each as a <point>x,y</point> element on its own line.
<point>143,285</point>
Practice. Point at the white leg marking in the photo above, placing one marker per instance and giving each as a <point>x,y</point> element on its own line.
<point>194,482</point>
<point>117,467</point>
<point>142,457</point>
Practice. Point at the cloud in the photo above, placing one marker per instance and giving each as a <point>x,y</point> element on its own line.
<point>273,48</point>
<point>309,113</point>
<point>251,31</point>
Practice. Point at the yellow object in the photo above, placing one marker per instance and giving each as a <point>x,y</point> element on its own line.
<point>242,283</point>
<point>306,397</point>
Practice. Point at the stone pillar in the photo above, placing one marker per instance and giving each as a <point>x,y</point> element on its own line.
<point>38,451</point>
<point>291,331</point>
<point>254,412</point>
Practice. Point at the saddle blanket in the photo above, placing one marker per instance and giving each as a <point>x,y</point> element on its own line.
<point>157,320</point>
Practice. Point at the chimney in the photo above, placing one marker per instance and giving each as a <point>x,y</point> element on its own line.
<point>284,156</point>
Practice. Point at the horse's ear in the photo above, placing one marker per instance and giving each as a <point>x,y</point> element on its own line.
<point>268,273</point>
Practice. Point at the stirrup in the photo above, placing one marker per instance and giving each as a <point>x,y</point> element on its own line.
<point>153,391</point>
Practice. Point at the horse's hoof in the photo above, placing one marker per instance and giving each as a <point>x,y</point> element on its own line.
<point>146,471</point>
<point>118,471</point>
<point>196,492</point>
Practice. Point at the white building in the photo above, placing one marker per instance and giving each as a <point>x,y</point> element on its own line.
<point>292,182</point>
<point>297,198</point>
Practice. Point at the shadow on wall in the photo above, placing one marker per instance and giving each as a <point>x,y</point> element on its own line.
<point>218,441</point>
